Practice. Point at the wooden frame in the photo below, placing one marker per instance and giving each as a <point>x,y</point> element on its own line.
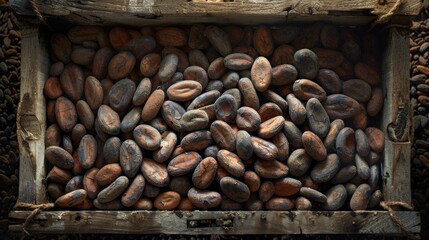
<point>396,124</point>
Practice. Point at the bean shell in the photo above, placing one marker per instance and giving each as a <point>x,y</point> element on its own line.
<point>90,183</point>
<point>167,201</point>
<point>313,195</point>
<point>357,89</point>
<point>302,203</point>
<point>271,127</point>
<point>279,204</point>
<point>266,191</point>
<point>336,126</point>
<point>147,137</point>
<point>218,39</point>
<point>121,65</point>
<point>108,120</point>
<point>74,184</point>
<point>293,134</point>
<point>297,110</point>
<point>194,120</point>
<point>248,119</point>
<point>361,197</point>
<point>131,119</point>
<point>204,173</point>
<point>306,62</point>
<point>345,145</point>
<point>85,114</point>
<point>131,158</point>
<point>108,174</point>
<point>344,175</point>
<point>261,74</point>
<point>155,173</point>
<point>65,113</point>
<point>204,199</point>
<point>271,169</point>
<point>313,146</point>
<point>336,197</point>
<point>168,142</point>
<point>305,89</point>
<point>231,163</point>
<point>299,162</point>
<point>87,151</point>
<point>375,139</point>
<point>287,187</point>
<point>226,108</point>
<point>183,164</point>
<point>172,112</point>
<point>223,135</point>
<point>339,106</point>
<point>114,190</point>
<point>243,145</point>
<point>362,167</point>
<point>59,157</point>
<point>264,149</point>
<point>196,141</point>
<point>317,117</point>
<point>121,94</point>
<point>134,191</point>
<point>250,96</point>
<point>72,81</point>
<point>153,105</point>
<point>71,199</point>
<point>324,171</point>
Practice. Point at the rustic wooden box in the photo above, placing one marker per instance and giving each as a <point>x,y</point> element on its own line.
<point>395,120</point>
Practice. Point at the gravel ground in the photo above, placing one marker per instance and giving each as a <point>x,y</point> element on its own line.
<point>9,97</point>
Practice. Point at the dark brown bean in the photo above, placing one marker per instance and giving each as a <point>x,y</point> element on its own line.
<point>336,197</point>
<point>231,163</point>
<point>234,189</point>
<point>307,64</point>
<point>121,65</point>
<point>248,119</point>
<point>299,162</point>
<point>197,140</point>
<point>204,173</point>
<point>85,114</point>
<point>132,195</point>
<point>264,149</point>
<point>317,117</point>
<point>155,173</point>
<point>108,120</point>
<point>121,94</point>
<point>344,175</point>
<point>131,158</point>
<point>284,74</point>
<point>101,62</point>
<point>114,190</point>
<point>305,89</point>
<point>168,142</point>
<point>282,145</point>
<point>287,187</point>
<point>71,199</point>
<point>357,89</point>
<point>336,126</point>
<point>147,137</point>
<point>329,81</point>
<point>87,151</point>
<point>194,120</point>
<point>279,204</point>
<point>361,197</point>
<point>65,114</point>
<point>313,195</point>
<point>271,169</point>
<point>243,145</point>
<point>226,108</point>
<point>375,103</point>
<point>261,74</point>
<point>204,199</point>
<point>345,145</point>
<point>375,139</point>
<point>223,135</point>
<point>339,106</point>
<point>263,41</point>
<point>324,171</point>
<point>266,191</point>
<point>183,164</point>
<point>218,39</point>
<point>297,110</point>
<point>59,157</point>
<point>250,96</point>
<point>167,200</point>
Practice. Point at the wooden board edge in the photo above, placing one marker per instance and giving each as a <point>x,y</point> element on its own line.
<point>31,119</point>
<point>215,222</point>
<point>396,120</point>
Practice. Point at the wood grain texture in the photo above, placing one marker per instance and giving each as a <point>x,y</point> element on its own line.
<point>144,12</point>
<point>31,119</point>
<point>216,222</point>
<point>396,120</point>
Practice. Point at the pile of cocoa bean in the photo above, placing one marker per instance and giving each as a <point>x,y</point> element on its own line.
<point>419,82</point>
<point>10,51</point>
<point>214,117</point>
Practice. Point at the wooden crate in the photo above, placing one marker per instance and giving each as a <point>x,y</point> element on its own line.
<point>395,120</point>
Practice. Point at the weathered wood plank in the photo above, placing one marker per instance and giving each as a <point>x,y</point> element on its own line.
<point>396,120</point>
<point>115,12</point>
<point>31,120</point>
<point>216,222</point>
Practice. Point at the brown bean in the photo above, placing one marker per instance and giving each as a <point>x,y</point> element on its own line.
<point>101,62</point>
<point>150,190</point>
<point>302,203</point>
<point>269,110</point>
<point>79,34</point>
<point>66,144</point>
<point>230,205</point>
<point>344,175</point>
<point>74,184</point>
<point>143,204</point>
<point>329,81</point>
<point>113,205</point>
<point>362,167</point>
<point>85,114</point>
<point>339,106</point>
<point>297,110</point>
<point>218,39</point>
<point>313,146</point>
<point>186,205</point>
<point>266,191</point>
<point>336,197</point>
<point>284,74</point>
<point>121,65</point>
<point>248,119</point>
<point>204,173</point>
<point>332,134</point>
<point>147,137</point>
<point>243,145</point>
<point>65,113</point>
<point>204,199</point>
<point>153,105</point>
<point>252,180</point>
<point>375,103</point>
<point>108,120</point>
<point>71,199</point>
<point>261,74</point>
<point>285,34</point>
<point>131,119</point>
<point>375,139</point>
<point>167,200</point>
<point>263,41</point>
<point>59,157</point>
<point>52,88</point>
<point>238,61</point>
<point>271,127</point>
<point>140,46</point>
<point>197,141</point>
<point>183,164</point>
<point>196,39</point>
<point>168,142</point>
<point>155,173</point>
<point>204,99</point>
<point>279,204</point>
<point>87,151</point>
<point>131,158</point>
<point>275,98</point>
<point>171,36</point>
<point>264,149</point>
<point>194,120</point>
<point>53,136</point>
<point>184,90</point>
<point>345,145</point>
<point>328,58</point>
<point>211,151</point>
<point>299,162</point>
<point>82,55</point>
<point>134,191</point>
<point>167,67</point>
<point>250,96</point>
<point>226,108</point>
<point>50,111</point>
<point>118,37</point>
<point>254,204</point>
<point>114,190</point>
<point>216,68</point>
<point>361,197</point>
<point>305,89</point>
<point>324,171</point>
<point>287,187</point>
<point>61,47</point>
<point>357,89</point>
<point>367,73</point>
<point>293,134</point>
<point>362,144</point>
<point>307,63</point>
<point>59,175</point>
<point>282,145</point>
<point>121,94</point>
<point>108,174</point>
<point>308,37</point>
<point>223,135</point>
<point>283,54</point>
<point>150,64</point>
<point>234,189</point>
<point>231,163</point>
<point>197,74</point>
<point>313,194</point>
<point>271,169</point>
<point>182,56</point>
<point>317,117</point>
<point>111,150</point>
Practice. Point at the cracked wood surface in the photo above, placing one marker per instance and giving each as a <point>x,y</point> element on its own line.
<point>216,222</point>
<point>158,12</point>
